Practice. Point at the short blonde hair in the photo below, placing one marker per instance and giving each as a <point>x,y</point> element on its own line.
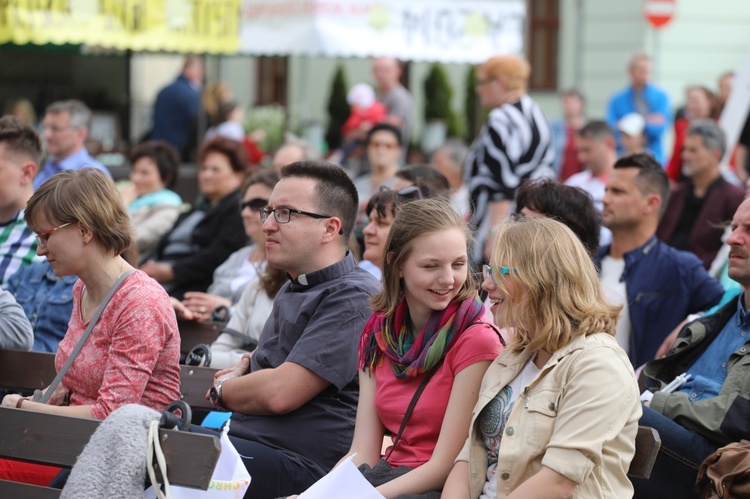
<point>414,219</point>
<point>513,70</point>
<point>88,196</point>
<point>557,295</point>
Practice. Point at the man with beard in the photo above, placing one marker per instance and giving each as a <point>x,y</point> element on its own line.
<point>699,205</point>
<point>712,408</point>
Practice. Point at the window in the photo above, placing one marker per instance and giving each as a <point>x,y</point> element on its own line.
<point>273,77</point>
<point>544,23</point>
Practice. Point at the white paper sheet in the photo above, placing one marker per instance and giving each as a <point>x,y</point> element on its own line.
<point>344,482</point>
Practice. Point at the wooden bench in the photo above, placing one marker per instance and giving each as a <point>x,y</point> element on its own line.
<point>58,440</point>
<point>28,371</point>
<point>647,445</point>
<point>31,370</point>
<point>194,333</point>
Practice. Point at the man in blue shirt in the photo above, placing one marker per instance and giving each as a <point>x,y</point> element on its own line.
<point>657,285</point>
<point>176,108</point>
<point>712,408</point>
<point>66,126</point>
<point>645,99</point>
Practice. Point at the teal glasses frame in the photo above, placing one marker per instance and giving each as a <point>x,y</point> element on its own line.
<point>487,271</point>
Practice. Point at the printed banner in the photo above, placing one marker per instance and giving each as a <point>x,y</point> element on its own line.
<point>200,26</point>
<point>435,30</point>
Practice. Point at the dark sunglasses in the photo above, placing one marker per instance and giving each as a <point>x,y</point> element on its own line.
<point>255,204</point>
<point>408,193</point>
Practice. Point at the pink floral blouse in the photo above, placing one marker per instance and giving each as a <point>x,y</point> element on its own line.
<point>132,355</point>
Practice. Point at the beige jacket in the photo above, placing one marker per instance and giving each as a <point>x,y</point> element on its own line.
<point>579,417</point>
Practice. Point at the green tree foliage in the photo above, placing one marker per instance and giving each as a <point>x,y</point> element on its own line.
<point>456,126</point>
<point>437,95</point>
<point>470,106</point>
<point>338,109</point>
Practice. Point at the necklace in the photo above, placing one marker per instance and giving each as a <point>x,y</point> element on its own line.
<point>83,295</point>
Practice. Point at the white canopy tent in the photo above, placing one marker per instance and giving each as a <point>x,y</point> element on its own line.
<point>448,31</point>
<point>444,31</point>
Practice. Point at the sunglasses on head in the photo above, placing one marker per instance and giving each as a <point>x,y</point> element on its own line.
<point>410,193</point>
<point>255,204</point>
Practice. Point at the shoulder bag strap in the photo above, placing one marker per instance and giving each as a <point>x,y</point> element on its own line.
<point>43,398</point>
<point>412,404</point>
<point>423,385</point>
<point>494,328</point>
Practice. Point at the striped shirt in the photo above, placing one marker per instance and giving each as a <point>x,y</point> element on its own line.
<point>515,144</point>
<point>17,246</point>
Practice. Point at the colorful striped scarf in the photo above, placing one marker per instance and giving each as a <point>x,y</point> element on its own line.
<point>411,355</point>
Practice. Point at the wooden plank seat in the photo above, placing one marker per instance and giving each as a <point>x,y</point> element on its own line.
<point>28,371</point>
<point>58,440</point>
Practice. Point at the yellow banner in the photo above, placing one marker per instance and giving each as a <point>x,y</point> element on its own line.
<point>199,26</point>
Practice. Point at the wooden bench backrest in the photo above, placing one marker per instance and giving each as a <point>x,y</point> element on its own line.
<point>194,383</point>
<point>58,440</point>
<point>31,370</point>
<point>26,370</point>
<point>194,333</point>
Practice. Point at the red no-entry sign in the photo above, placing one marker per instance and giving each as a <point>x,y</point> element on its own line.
<point>659,12</point>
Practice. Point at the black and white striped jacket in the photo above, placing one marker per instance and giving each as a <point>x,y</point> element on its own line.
<point>515,144</point>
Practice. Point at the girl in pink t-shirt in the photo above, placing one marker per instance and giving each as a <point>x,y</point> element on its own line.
<point>426,320</point>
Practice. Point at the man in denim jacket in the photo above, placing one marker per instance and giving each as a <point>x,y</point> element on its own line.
<point>657,285</point>
<point>47,301</point>
<point>712,408</point>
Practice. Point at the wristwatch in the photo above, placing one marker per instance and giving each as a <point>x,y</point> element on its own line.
<point>214,394</point>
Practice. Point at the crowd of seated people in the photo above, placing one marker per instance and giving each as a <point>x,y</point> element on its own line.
<point>244,285</point>
<point>152,205</point>
<point>245,264</point>
<point>392,349</point>
<point>204,236</point>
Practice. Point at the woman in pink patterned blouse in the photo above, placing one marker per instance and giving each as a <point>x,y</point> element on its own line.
<point>132,354</point>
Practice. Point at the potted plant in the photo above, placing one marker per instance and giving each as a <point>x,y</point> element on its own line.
<point>338,109</point>
<point>437,108</point>
<point>471,106</point>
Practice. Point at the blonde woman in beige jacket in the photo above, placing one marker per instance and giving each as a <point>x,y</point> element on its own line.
<point>558,410</point>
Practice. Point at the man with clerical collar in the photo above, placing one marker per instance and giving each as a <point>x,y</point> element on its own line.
<point>294,400</point>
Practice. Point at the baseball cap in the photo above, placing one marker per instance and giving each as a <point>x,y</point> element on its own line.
<point>632,124</point>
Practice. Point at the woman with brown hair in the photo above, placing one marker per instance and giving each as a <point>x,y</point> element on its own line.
<point>152,205</point>
<point>132,353</point>
<point>205,236</point>
<point>700,103</point>
<point>422,354</point>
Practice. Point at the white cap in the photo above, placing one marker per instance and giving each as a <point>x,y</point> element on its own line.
<point>632,124</point>
<point>361,95</point>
